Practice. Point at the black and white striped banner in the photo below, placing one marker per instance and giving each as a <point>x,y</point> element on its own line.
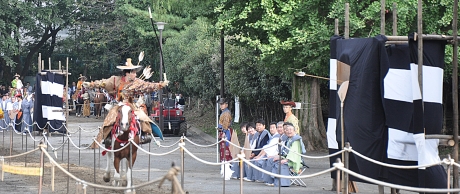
<point>384,117</point>
<point>48,101</point>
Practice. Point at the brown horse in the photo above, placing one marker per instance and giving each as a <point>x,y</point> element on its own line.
<point>124,128</point>
<point>99,102</point>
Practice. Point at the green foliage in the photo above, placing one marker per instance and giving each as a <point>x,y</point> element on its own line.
<point>192,60</point>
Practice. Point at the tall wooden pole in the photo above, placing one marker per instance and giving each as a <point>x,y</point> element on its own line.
<point>455,90</point>
<point>347,21</point>
<point>382,17</point>
<point>420,46</point>
<point>336,27</point>
<point>395,19</point>
<point>222,47</point>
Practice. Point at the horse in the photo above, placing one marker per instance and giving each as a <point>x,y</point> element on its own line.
<point>125,127</point>
<point>99,100</point>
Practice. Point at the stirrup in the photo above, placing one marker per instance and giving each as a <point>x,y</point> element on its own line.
<point>145,139</point>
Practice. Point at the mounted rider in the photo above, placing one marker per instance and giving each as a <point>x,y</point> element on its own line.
<point>125,88</point>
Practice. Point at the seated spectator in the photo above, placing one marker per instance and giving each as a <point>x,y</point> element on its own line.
<point>289,159</point>
<point>236,165</point>
<point>261,139</point>
<point>269,151</point>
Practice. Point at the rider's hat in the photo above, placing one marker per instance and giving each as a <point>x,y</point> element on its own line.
<point>82,77</point>
<point>128,65</point>
<point>288,103</point>
<point>17,75</point>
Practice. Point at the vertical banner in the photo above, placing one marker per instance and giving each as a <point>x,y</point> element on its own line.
<point>237,110</point>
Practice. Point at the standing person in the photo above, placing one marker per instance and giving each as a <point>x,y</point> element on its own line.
<point>29,88</point>
<point>2,90</point>
<point>290,117</point>
<point>17,84</point>
<point>4,123</point>
<point>17,110</point>
<point>148,102</point>
<point>27,105</point>
<point>181,102</point>
<point>78,95</point>
<point>86,105</point>
<point>225,132</point>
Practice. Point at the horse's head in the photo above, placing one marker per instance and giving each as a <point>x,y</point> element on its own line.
<point>125,117</point>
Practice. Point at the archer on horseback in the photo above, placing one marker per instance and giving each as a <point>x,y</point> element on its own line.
<point>124,87</point>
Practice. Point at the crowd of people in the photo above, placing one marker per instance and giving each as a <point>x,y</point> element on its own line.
<point>261,146</point>
<point>17,104</point>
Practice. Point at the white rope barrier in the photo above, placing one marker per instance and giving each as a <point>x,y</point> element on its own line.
<point>110,150</point>
<point>150,153</point>
<point>74,145</point>
<point>199,145</point>
<point>390,165</point>
<point>93,184</point>
<point>18,155</point>
<point>284,176</point>
<point>395,186</point>
<point>206,162</point>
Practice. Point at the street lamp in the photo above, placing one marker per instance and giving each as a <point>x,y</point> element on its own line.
<point>161,26</point>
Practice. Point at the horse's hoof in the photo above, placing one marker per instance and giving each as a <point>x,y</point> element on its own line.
<point>130,191</point>
<point>106,177</point>
<point>124,183</point>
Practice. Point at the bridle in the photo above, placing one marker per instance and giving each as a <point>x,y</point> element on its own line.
<point>133,126</point>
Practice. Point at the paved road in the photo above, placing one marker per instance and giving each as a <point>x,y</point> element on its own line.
<point>198,177</point>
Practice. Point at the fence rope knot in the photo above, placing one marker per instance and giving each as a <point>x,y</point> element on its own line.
<point>448,161</point>
<point>338,165</point>
<point>182,144</point>
<point>171,176</point>
<point>348,149</point>
<point>241,156</point>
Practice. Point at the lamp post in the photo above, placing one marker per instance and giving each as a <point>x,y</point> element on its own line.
<point>161,26</point>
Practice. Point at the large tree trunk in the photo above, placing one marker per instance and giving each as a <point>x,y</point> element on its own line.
<point>312,129</point>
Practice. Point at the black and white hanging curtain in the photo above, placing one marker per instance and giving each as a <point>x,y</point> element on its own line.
<point>383,114</point>
<point>49,101</point>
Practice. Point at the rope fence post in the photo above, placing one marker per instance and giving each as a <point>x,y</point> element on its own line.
<point>11,143</point>
<point>52,177</point>
<point>182,158</point>
<point>279,165</point>
<point>448,173</point>
<point>148,172</point>
<point>25,158</point>
<point>241,171</point>
<point>94,169</point>
<point>79,144</point>
<point>346,163</point>
<point>42,164</point>
<point>338,177</point>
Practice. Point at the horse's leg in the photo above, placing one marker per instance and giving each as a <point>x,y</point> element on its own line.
<point>110,159</point>
<point>106,176</point>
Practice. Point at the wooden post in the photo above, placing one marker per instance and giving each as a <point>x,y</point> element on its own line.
<point>49,63</point>
<point>39,63</point>
<point>347,21</point>
<point>336,27</point>
<point>395,19</point>
<point>455,91</point>
<point>382,17</point>
<point>420,46</point>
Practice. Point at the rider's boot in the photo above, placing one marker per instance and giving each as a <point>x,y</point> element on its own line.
<point>146,138</point>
